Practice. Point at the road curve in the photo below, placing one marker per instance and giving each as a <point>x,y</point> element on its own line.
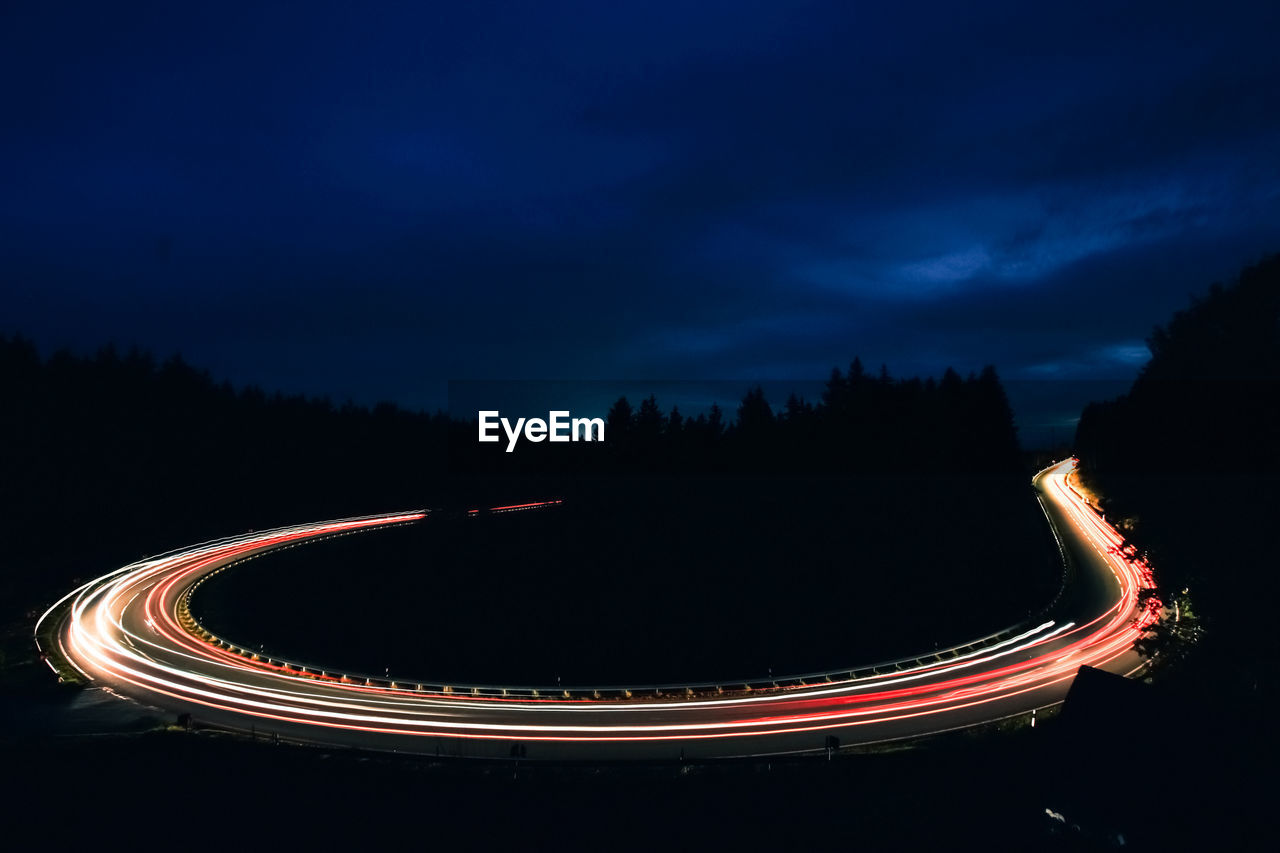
<point>130,630</point>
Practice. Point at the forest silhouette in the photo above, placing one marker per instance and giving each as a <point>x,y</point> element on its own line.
<point>1188,464</point>
<point>862,424</point>
<point>715,517</point>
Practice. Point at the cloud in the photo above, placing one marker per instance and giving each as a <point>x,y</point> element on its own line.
<point>633,189</point>
<point>1109,360</point>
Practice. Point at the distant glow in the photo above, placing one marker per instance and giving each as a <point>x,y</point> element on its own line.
<point>945,269</point>
<point>1134,353</point>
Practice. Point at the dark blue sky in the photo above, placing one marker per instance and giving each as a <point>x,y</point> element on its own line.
<point>327,199</point>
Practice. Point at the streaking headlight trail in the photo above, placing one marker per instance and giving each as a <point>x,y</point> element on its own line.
<point>131,630</point>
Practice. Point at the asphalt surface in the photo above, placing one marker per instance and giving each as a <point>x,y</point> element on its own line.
<point>130,631</point>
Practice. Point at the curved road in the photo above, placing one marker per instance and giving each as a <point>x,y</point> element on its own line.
<point>130,631</point>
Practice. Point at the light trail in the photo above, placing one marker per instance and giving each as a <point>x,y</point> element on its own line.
<point>130,630</point>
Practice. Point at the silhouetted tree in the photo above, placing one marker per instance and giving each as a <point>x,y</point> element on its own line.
<point>675,422</point>
<point>620,421</point>
<point>1185,461</point>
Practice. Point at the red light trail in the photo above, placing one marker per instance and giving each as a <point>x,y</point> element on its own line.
<point>130,630</point>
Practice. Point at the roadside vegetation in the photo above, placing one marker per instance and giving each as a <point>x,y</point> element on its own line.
<point>1188,462</point>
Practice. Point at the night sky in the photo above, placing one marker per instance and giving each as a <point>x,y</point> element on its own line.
<point>331,200</point>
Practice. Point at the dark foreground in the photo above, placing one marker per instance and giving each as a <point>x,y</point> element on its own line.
<point>987,788</point>
<point>657,580</point>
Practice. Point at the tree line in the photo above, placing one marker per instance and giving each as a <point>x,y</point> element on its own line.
<point>108,455</point>
<point>1188,464</point>
<point>861,424</point>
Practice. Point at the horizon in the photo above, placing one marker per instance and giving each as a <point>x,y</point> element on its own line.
<point>368,204</point>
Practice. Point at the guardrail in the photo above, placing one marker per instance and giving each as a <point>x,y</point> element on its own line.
<point>663,692</point>
<point>666,692</point>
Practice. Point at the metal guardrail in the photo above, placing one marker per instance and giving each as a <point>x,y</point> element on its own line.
<point>669,691</point>
<point>672,691</point>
